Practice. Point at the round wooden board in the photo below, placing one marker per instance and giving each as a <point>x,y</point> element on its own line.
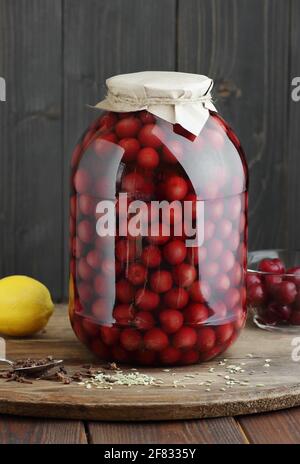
<point>186,392</point>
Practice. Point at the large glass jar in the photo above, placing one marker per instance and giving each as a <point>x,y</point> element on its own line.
<point>158,232</point>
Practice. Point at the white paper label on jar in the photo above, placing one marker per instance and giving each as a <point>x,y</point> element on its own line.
<point>181,98</point>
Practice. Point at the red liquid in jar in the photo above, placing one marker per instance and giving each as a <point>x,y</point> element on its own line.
<point>152,299</point>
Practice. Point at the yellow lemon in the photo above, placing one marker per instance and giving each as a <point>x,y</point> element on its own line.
<point>25,306</point>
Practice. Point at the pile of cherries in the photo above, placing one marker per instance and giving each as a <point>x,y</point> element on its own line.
<point>274,293</point>
<point>151,300</point>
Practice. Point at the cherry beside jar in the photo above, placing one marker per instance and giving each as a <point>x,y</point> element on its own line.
<point>158,234</point>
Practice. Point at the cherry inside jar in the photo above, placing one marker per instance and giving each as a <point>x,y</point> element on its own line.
<point>158,230</point>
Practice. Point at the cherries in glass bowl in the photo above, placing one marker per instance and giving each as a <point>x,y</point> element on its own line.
<point>273,289</point>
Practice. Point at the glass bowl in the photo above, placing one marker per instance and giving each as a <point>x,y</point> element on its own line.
<point>273,289</point>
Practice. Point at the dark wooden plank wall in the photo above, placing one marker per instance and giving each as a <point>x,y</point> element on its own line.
<point>56,55</point>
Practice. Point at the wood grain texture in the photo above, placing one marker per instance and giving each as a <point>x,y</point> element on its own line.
<point>17,430</point>
<point>273,428</point>
<point>269,388</point>
<point>208,431</point>
<point>293,158</point>
<point>30,141</point>
<point>103,38</point>
<point>244,47</point>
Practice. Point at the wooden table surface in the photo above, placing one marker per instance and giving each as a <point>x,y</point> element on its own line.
<point>275,427</point>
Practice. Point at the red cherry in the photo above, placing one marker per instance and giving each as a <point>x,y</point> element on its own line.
<point>195,314</point>
<point>85,292</point>
<point>146,300</point>
<point>161,281</point>
<point>279,264</point>
<point>189,357</point>
<point>209,229</point>
<point>108,120</point>
<point>82,181</point>
<point>224,333</point>
<point>186,337</point>
<point>175,252</point>
<point>295,278</point>
<point>123,314</point>
<point>216,210</point>
<point>215,138</point>
<point>124,115</point>
<point>232,298</point>
<point>206,339</point>
<point>85,272</point>
<point>171,320</point>
<point>144,320</point>
<point>100,350</point>
<point>136,274</point>
<point>109,335</point>
<point>222,283</point>
<point>93,258</point>
<point>133,182</point>
<point>210,270</point>
<point>169,355</point>
<point>126,250</point>
<point>172,153</point>
<point>252,279</point>
<point>131,147</point>
<point>100,144</point>
<point>176,298</point>
<point>256,295</point>
<point>119,354</point>
<point>128,127</point>
<point>233,241</point>
<point>148,158</point>
<point>227,261</point>
<point>85,231</point>
<point>285,292</point>
<point>236,274</point>
<point>90,327</point>
<point>184,274</point>
<point>150,136</point>
<point>200,291</point>
<point>219,309</point>
<point>214,248</point>
<point>151,256</point>
<point>156,340</point>
<point>176,188</point>
<point>160,238</point>
<point>110,267</point>
<point>124,291</point>
<point>224,229</point>
<point>100,309</point>
<point>268,265</point>
<point>234,207</point>
<point>131,339</point>
<point>271,282</point>
<point>145,357</point>
<point>146,117</point>
<point>276,312</point>
<point>87,205</point>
